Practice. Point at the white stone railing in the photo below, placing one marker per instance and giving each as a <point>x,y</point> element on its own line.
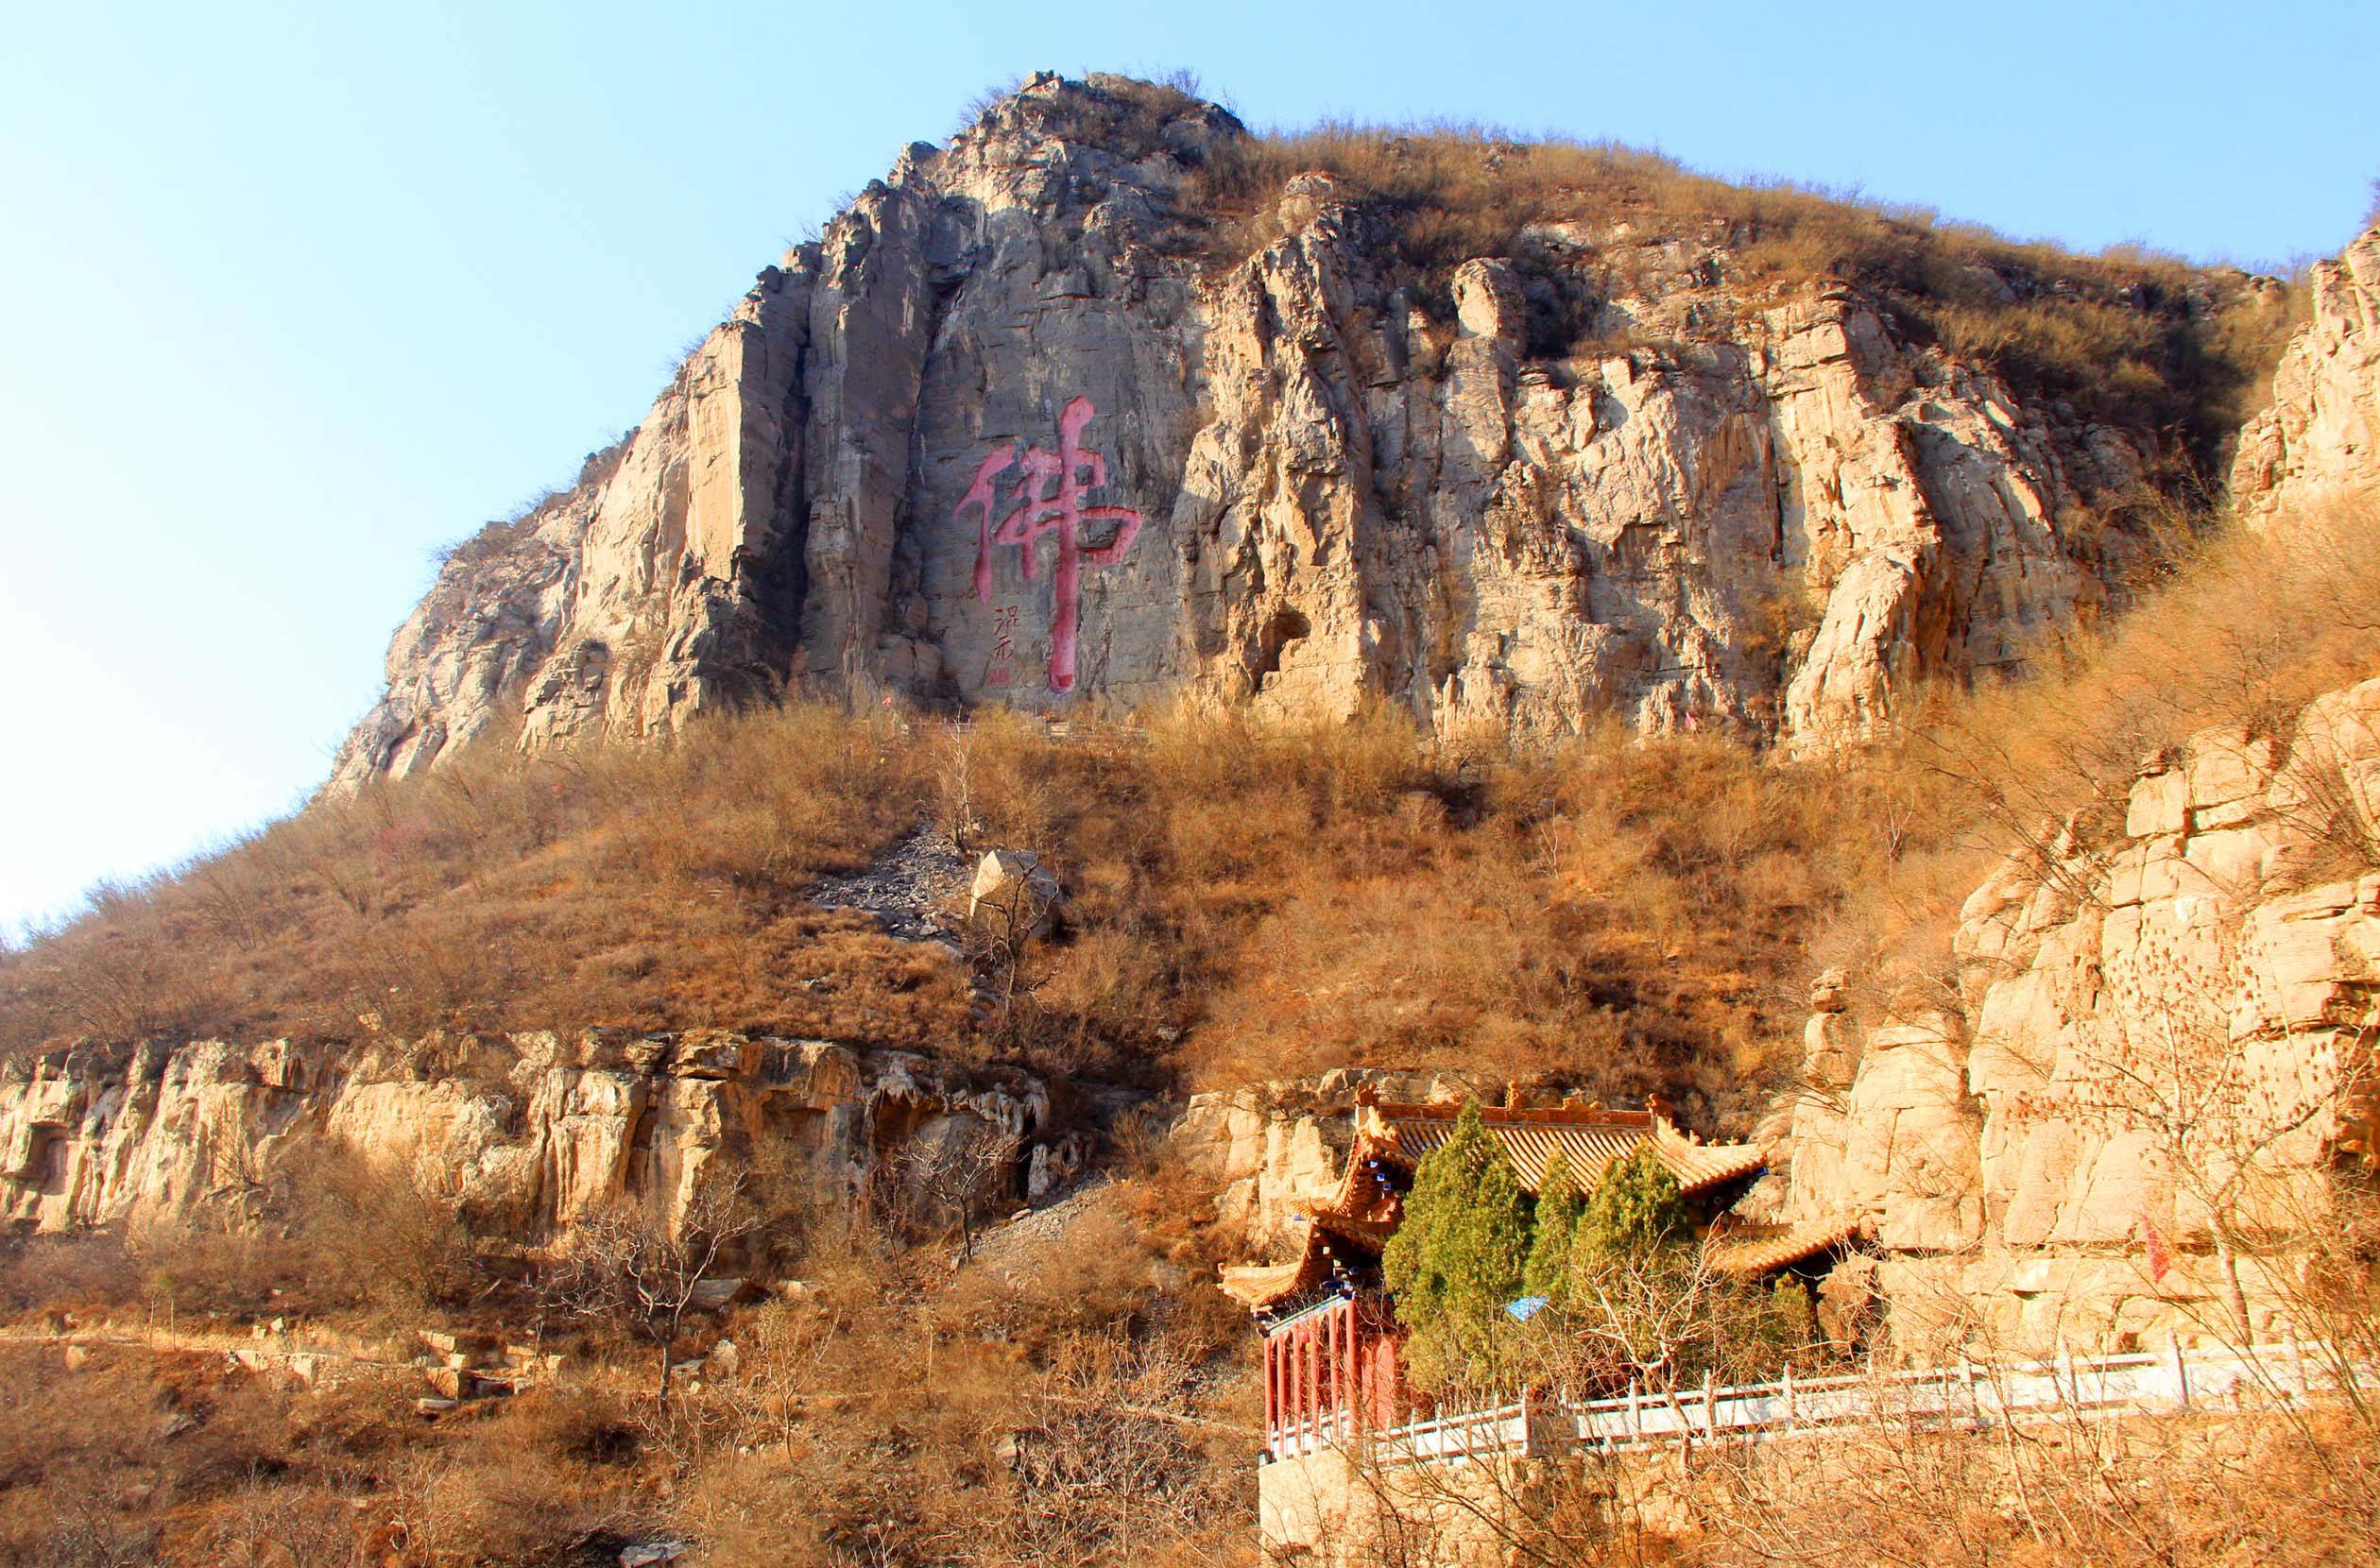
<point>1305,1437</point>
<point>1969,1395</point>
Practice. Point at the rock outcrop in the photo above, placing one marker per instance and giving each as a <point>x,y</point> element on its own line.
<point>528,1137</point>
<point>2320,438</point>
<point>1005,434</point>
<point>1267,1150</point>
<point>2166,1039</point>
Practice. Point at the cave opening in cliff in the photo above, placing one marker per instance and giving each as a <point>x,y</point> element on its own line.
<point>1286,626</point>
<point>46,1160</point>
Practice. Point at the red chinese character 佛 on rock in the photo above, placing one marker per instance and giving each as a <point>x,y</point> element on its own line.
<point>1048,500</point>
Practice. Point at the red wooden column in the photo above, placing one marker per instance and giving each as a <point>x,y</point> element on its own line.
<point>1306,1403</point>
<point>1293,1392</point>
<point>1272,1393</point>
<point>1322,1368</point>
<point>1342,1354</point>
<point>1331,1360</point>
<point>1309,1406</point>
<point>1351,1336</point>
<point>1326,1336</point>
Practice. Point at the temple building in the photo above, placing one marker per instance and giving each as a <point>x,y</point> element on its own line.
<point>1330,1338</point>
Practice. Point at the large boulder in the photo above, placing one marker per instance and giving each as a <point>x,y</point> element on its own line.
<point>1015,890</point>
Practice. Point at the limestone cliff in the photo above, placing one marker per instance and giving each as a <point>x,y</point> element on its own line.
<point>1267,1148</point>
<point>2164,1040</point>
<point>1008,432</point>
<point>528,1136</point>
<point>2320,438</point>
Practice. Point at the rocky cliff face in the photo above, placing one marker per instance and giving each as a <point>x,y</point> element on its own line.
<point>1002,434</point>
<point>1267,1148</point>
<point>2320,438</point>
<point>2165,1040</point>
<point>528,1137</point>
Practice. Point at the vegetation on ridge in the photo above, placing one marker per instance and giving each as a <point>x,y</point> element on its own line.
<point>2126,336</point>
<point>1249,901</point>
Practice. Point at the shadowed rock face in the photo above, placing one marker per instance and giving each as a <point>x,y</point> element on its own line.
<point>1000,435</point>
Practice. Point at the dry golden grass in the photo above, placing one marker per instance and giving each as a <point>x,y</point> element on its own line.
<point>1246,900</point>
<point>1249,900</point>
<point>2246,630</point>
<point>896,1415</point>
<point>646,887</point>
<point>1253,901</point>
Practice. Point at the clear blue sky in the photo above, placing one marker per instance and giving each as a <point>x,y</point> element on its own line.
<point>290,296</point>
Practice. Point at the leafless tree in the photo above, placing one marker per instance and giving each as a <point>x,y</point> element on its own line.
<point>785,1356</point>
<point>999,933</point>
<point>281,1525</point>
<point>1106,1462</point>
<point>629,1265</point>
<point>941,1183</point>
<point>954,785</point>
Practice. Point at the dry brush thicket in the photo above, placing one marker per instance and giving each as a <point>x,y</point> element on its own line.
<point>1245,900</point>
<point>895,1413</point>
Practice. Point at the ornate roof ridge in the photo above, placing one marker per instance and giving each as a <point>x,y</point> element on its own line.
<point>1559,1116</point>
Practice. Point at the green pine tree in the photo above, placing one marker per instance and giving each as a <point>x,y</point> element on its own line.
<point>1634,1211</point>
<point>1547,1271</point>
<point>1459,1256</point>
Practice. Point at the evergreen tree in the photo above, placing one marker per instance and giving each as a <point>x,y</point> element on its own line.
<point>1634,1211</point>
<point>1547,1272</point>
<point>1459,1256</point>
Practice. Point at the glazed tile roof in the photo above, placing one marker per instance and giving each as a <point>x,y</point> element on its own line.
<point>1260,1284</point>
<point>1589,1139</point>
<point>1765,1249</point>
<point>1365,1211</point>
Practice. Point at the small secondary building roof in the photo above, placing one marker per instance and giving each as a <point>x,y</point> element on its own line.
<point>1750,1251</point>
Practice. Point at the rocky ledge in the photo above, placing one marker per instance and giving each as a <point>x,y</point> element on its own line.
<point>526,1134</point>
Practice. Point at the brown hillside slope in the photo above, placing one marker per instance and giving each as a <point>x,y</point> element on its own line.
<point>1248,899</point>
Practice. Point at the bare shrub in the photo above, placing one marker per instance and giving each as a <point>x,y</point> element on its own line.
<point>639,1269</point>
<point>70,1271</point>
<point>366,1237</point>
